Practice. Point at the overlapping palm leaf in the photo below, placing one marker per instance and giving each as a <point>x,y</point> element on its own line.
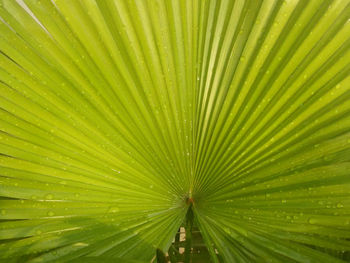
<point>114,114</point>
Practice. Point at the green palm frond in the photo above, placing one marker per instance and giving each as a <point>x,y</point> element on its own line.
<point>122,121</point>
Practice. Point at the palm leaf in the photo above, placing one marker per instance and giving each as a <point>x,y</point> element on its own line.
<point>119,118</point>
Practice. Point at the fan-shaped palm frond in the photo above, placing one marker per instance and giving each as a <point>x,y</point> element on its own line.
<point>119,118</point>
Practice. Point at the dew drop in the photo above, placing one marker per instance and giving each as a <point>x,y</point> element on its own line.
<point>114,210</point>
<point>312,221</point>
<point>339,205</point>
<point>50,213</point>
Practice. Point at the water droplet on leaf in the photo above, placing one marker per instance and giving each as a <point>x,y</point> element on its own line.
<point>50,213</point>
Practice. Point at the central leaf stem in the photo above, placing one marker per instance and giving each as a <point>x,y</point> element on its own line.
<point>189,226</point>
